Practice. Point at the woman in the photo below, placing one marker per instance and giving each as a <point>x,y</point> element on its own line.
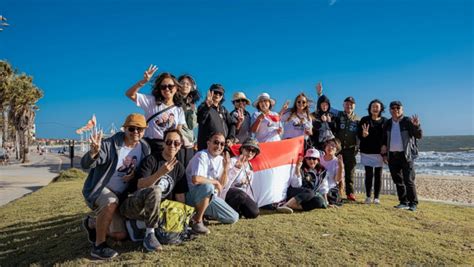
<point>190,96</point>
<point>370,133</point>
<point>265,122</point>
<point>334,168</point>
<point>323,123</point>
<point>297,121</point>
<point>311,193</point>
<point>162,108</point>
<point>238,191</point>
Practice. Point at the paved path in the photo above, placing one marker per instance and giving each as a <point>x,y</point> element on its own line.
<point>17,180</point>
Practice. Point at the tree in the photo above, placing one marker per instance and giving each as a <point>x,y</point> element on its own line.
<point>6,76</point>
<point>22,109</point>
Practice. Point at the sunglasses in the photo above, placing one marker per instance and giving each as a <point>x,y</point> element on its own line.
<point>167,86</point>
<point>176,143</point>
<point>395,107</point>
<point>251,150</point>
<point>301,102</point>
<point>133,129</point>
<point>217,93</point>
<point>240,101</point>
<point>217,143</point>
<point>312,158</point>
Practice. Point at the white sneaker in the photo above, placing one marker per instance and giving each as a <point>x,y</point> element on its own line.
<point>377,201</point>
<point>284,209</point>
<point>367,200</point>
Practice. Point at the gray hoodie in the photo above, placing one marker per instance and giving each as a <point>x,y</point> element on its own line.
<point>103,166</point>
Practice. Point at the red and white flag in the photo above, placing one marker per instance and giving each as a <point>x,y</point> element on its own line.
<point>273,168</point>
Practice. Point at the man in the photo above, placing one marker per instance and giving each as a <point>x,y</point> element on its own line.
<point>206,174</point>
<point>400,147</point>
<point>106,186</point>
<point>159,176</point>
<point>240,127</point>
<point>212,116</point>
<point>346,131</point>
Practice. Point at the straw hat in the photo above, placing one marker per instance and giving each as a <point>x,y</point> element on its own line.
<point>263,96</point>
<point>239,96</point>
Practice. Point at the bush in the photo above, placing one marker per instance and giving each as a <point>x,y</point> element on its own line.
<point>70,175</point>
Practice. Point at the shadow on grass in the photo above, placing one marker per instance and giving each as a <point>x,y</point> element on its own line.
<point>56,239</point>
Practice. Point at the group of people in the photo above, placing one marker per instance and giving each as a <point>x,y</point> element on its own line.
<point>157,156</point>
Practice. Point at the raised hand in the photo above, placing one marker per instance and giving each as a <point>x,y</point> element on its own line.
<point>240,115</point>
<point>365,130</point>
<point>210,95</point>
<point>149,73</point>
<point>241,161</point>
<point>226,160</point>
<point>285,107</point>
<point>96,140</point>
<point>167,167</point>
<point>319,88</point>
<point>324,118</point>
<point>415,120</point>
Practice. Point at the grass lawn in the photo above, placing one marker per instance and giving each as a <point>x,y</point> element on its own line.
<point>45,228</point>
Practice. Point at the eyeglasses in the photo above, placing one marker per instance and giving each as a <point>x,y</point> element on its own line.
<point>312,158</point>
<point>167,86</point>
<point>133,129</point>
<point>217,143</point>
<point>395,107</point>
<point>176,143</point>
<point>301,102</point>
<point>217,93</point>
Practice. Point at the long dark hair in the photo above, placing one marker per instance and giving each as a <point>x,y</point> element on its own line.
<point>293,109</point>
<point>193,95</point>
<point>156,91</point>
<point>382,107</point>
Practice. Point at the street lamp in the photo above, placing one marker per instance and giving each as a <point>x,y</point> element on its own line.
<point>3,23</point>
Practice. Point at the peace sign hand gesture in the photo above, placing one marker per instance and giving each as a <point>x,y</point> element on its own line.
<point>365,130</point>
<point>149,73</point>
<point>415,120</point>
<point>96,140</point>
<point>210,95</point>
<point>167,167</point>
<point>285,107</point>
<point>240,115</point>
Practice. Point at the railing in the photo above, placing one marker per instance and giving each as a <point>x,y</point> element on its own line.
<point>388,187</point>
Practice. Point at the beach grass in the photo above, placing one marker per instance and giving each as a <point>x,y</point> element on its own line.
<point>44,228</point>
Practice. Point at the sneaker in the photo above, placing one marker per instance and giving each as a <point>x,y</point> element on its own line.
<point>151,243</point>
<point>103,251</point>
<point>284,209</point>
<point>351,197</point>
<point>402,206</point>
<point>376,201</point>
<point>412,207</point>
<point>91,234</point>
<point>367,200</point>
<point>200,228</point>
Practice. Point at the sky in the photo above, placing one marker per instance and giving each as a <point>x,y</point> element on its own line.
<point>85,54</point>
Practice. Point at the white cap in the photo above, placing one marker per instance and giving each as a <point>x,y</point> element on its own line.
<point>312,153</point>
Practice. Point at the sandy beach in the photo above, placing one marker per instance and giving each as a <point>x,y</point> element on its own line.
<point>458,189</point>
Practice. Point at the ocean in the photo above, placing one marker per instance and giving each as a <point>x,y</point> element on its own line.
<point>445,155</point>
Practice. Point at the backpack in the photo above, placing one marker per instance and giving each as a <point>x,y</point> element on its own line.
<point>172,226</point>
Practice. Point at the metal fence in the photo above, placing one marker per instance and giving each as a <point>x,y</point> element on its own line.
<point>388,187</point>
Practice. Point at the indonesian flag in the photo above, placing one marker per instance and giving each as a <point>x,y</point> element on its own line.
<point>89,125</point>
<point>79,131</point>
<point>273,168</point>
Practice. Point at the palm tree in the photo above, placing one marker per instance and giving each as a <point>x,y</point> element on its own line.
<point>22,110</point>
<point>6,75</point>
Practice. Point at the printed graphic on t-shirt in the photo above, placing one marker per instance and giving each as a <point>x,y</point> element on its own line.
<point>129,164</point>
<point>166,183</point>
<point>166,121</point>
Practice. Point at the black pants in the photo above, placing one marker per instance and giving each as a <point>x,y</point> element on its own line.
<point>349,159</point>
<point>305,197</point>
<point>403,176</point>
<point>375,174</point>
<point>242,203</point>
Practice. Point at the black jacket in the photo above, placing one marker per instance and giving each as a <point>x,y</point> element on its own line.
<point>211,120</point>
<point>409,132</point>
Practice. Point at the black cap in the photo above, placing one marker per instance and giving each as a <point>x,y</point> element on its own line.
<point>395,103</point>
<point>217,87</point>
<point>350,99</point>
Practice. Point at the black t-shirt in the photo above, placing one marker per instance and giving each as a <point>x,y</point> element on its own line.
<point>172,183</point>
<point>373,142</point>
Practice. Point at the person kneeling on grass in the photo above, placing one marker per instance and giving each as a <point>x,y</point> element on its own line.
<point>238,191</point>
<point>311,190</point>
<point>206,174</point>
<point>159,176</point>
<point>107,182</point>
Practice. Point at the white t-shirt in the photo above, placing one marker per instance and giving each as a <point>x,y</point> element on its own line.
<point>238,178</point>
<point>128,160</point>
<point>331,170</point>
<point>268,129</point>
<point>169,119</point>
<point>296,125</point>
<point>205,165</point>
<point>395,138</point>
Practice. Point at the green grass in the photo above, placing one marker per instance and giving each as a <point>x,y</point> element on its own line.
<point>44,229</point>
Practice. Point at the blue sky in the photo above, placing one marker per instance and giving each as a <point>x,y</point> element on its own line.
<point>85,54</point>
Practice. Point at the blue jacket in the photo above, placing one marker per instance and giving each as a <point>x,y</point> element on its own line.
<point>104,165</point>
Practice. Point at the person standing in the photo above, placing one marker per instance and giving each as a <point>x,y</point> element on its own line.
<point>240,127</point>
<point>400,149</point>
<point>370,133</point>
<point>347,123</point>
<point>265,122</point>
